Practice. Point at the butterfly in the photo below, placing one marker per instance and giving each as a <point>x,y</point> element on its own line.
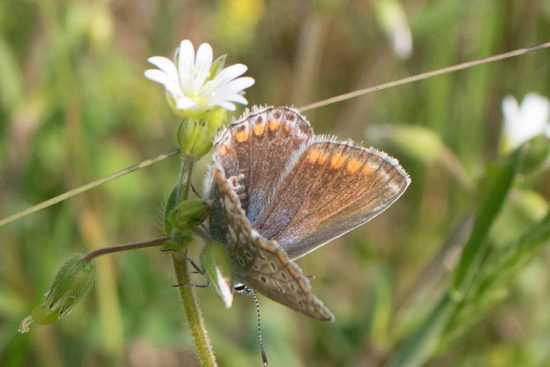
<point>280,192</point>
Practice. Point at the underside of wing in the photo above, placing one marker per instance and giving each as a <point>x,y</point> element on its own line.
<point>331,189</point>
<point>258,263</point>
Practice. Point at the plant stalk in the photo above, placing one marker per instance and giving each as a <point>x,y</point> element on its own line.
<point>187,294</point>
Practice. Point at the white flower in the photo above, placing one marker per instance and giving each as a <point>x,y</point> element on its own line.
<point>191,89</point>
<point>526,121</point>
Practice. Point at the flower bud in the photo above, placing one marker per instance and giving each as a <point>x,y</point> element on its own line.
<point>189,213</point>
<point>72,282</point>
<point>217,266</point>
<point>195,135</point>
<point>193,138</point>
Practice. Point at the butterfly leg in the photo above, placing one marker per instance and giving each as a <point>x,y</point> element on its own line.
<point>195,191</point>
<point>193,285</point>
<point>198,270</point>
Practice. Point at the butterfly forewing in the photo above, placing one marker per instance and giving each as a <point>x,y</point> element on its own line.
<point>258,263</point>
<point>255,150</point>
<point>331,189</point>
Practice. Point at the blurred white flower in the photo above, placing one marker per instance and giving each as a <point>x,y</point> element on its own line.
<point>195,85</point>
<point>526,121</point>
<point>393,20</point>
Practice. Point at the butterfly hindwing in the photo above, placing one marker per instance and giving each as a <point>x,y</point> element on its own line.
<point>258,263</point>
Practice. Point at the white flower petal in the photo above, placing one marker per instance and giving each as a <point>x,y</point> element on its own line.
<point>234,86</point>
<point>185,103</point>
<point>227,105</point>
<point>186,64</point>
<point>165,65</point>
<point>157,76</point>
<point>237,98</point>
<point>230,73</point>
<point>203,63</point>
<point>512,124</point>
<point>535,110</point>
<point>161,77</point>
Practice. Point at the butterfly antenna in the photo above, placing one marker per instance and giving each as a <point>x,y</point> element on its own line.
<point>264,357</point>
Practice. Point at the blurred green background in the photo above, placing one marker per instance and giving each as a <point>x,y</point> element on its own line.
<point>74,107</point>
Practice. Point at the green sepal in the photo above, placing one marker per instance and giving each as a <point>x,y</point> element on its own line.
<point>189,213</point>
<point>215,119</point>
<point>217,267</point>
<point>217,66</point>
<point>179,241</point>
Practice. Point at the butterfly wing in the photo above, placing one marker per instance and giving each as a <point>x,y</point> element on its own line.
<point>258,263</point>
<point>331,189</point>
<point>255,150</point>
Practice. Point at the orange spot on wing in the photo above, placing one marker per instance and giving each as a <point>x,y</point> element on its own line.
<point>241,136</point>
<point>313,155</point>
<point>293,273</point>
<point>222,150</point>
<point>367,170</point>
<point>259,129</point>
<point>264,246</point>
<point>274,124</point>
<point>281,257</point>
<point>337,160</point>
<point>353,165</point>
<point>302,285</point>
<point>322,158</point>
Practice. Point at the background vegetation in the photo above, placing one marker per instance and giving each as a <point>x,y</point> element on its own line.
<point>74,106</point>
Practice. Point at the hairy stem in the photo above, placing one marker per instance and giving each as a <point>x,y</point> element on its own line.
<point>134,246</point>
<point>187,294</point>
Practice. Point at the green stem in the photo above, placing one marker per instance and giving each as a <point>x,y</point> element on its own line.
<point>134,246</point>
<point>187,294</point>
<point>86,187</point>
<point>186,170</point>
<point>469,64</point>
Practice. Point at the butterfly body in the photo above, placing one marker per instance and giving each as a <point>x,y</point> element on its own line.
<point>280,192</point>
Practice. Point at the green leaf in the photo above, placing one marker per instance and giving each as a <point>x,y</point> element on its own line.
<point>476,245</point>
<point>420,346</point>
<point>170,205</point>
